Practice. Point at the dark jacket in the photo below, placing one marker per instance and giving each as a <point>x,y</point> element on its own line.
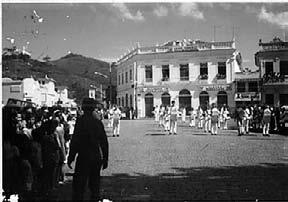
<point>89,139</point>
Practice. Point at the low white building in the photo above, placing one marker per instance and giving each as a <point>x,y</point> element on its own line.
<point>41,91</point>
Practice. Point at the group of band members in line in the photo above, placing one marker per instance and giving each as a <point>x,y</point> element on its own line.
<point>254,118</point>
<point>209,118</point>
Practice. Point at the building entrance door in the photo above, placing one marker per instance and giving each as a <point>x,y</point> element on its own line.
<point>185,99</point>
<point>149,104</point>
<point>204,99</point>
<point>165,99</point>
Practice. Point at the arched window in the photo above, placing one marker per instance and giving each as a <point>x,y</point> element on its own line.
<point>165,99</point>
<point>126,100</point>
<point>222,98</point>
<point>131,101</point>
<point>204,99</point>
<point>149,103</point>
<point>185,99</point>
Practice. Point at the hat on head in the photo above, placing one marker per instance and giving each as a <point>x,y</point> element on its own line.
<point>88,104</point>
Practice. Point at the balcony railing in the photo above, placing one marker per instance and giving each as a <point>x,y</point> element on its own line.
<point>184,78</point>
<point>203,76</point>
<point>165,79</point>
<point>273,77</point>
<point>220,76</point>
<point>148,80</point>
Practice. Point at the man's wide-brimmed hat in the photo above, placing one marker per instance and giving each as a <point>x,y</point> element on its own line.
<point>88,104</point>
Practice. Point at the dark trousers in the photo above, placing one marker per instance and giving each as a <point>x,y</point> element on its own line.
<point>86,170</point>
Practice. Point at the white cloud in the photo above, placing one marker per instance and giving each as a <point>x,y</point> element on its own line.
<point>190,9</point>
<point>161,11</point>
<point>126,14</point>
<point>280,19</point>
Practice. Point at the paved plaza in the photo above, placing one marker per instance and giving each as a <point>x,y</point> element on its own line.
<point>146,163</point>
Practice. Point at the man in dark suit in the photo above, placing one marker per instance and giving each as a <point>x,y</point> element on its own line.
<point>90,142</point>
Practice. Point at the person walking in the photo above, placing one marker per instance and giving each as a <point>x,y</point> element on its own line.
<point>240,120</point>
<point>214,119</point>
<point>90,142</point>
<point>116,121</point>
<point>173,118</point>
<point>266,121</point>
<point>247,117</point>
<point>183,115</point>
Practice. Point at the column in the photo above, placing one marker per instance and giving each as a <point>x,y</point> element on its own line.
<point>156,74</point>
<point>212,71</point>
<point>174,72</point>
<point>276,66</point>
<point>194,71</point>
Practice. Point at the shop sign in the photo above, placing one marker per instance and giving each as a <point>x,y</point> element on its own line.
<point>247,96</point>
<point>153,90</point>
<point>216,88</point>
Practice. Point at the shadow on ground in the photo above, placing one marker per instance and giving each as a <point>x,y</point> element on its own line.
<point>262,182</point>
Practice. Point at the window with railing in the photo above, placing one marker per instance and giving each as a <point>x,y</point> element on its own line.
<point>253,86</point>
<point>221,70</point>
<point>269,99</point>
<point>148,73</point>
<point>126,77</point>
<point>240,87</point>
<point>268,68</point>
<point>203,71</point>
<point>130,75</point>
<point>284,67</point>
<point>184,72</point>
<point>165,73</point>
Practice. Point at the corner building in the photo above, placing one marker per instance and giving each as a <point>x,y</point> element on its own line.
<point>272,60</point>
<point>192,73</point>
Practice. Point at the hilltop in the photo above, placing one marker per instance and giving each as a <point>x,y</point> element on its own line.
<point>73,70</point>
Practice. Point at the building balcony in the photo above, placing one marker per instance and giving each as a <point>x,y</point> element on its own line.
<point>165,79</point>
<point>148,80</point>
<point>184,78</point>
<point>220,76</point>
<point>203,76</point>
<point>274,79</point>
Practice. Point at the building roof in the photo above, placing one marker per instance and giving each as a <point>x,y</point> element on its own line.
<point>247,75</point>
<point>180,46</point>
<point>9,81</point>
<point>275,45</point>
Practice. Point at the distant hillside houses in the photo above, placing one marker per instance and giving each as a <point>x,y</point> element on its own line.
<point>41,91</point>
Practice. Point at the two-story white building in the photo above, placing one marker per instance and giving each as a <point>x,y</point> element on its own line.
<point>272,60</point>
<point>192,73</point>
<point>41,91</point>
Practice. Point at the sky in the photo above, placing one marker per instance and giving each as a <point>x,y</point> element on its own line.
<point>106,31</point>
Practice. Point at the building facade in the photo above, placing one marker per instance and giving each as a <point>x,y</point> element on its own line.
<point>42,91</point>
<point>247,88</point>
<point>272,60</point>
<point>192,73</point>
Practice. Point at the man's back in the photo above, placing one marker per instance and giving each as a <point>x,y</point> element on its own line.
<point>89,137</point>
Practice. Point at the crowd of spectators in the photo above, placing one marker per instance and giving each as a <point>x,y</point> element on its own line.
<point>261,118</point>
<point>35,144</point>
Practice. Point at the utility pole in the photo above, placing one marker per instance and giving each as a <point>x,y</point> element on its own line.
<point>110,83</point>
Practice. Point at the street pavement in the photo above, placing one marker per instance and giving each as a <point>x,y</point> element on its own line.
<point>145,163</point>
